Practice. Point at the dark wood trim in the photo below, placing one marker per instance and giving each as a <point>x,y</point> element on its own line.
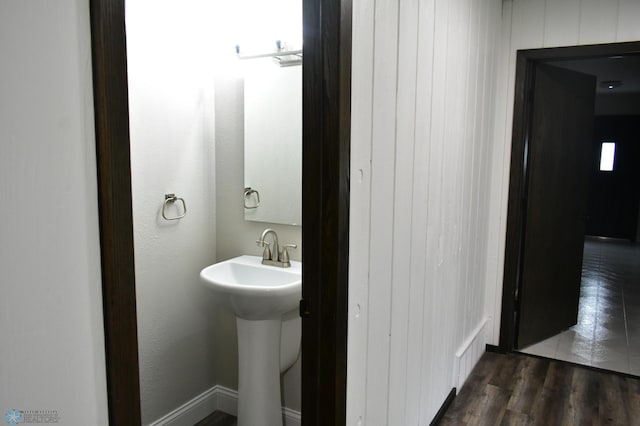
<point>443,409</point>
<point>582,52</point>
<point>525,67</point>
<point>516,208</point>
<point>325,208</point>
<point>493,349</point>
<point>114,198</point>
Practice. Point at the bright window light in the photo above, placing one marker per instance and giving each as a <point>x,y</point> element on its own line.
<point>607,155</point>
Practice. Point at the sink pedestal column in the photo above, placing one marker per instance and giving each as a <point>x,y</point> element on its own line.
<point>259,400</point>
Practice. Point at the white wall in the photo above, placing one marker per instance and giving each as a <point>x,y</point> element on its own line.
<point>530,24</point>
<point>187,138</point>
<point>422,113</point>
<point>236,236</point>
<point>52,352</point>
<point>172,151</point>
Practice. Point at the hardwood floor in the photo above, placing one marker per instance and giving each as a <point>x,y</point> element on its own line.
<point>218,418</point>
<point>516,389</point>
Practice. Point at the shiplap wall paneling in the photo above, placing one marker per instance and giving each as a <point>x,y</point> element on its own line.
<point>483,112</point>
<point>422,115</point>
<point>360,201</point>
<point>382,207</point>
<point>446,318</point>
<point>598,21</point>
<point>495,243</point>
<point>419,216</point>
<point>628,18</point>
<point>403,198</point>
<point>474,138</point>
<point>490,118</point>
<point>458,157</point>
<point>474,77</point>
<point>434,295</point>
<point>562,22</point>
<point>528,22</point>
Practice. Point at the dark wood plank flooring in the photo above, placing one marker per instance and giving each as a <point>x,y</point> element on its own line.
<point>218,418</point>
<point>516,389</point>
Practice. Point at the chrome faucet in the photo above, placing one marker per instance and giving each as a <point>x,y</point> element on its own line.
<point>272,255</point>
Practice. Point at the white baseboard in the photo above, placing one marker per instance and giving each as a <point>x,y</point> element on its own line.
<point>291,417</point>
<point>218,398</point>
<point>469,353</point>
<point>227,400</point>
<point>192,411</point>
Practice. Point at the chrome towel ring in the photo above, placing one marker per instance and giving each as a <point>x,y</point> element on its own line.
<point>247,193</point>
<point>170,199</point>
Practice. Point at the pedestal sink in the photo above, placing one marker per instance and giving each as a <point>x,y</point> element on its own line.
<point>259,296</point>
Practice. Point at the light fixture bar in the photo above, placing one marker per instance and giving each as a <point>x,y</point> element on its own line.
<point>273,54</point>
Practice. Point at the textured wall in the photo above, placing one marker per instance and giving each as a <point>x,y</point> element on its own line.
<point>531,24</point>
<point>423,102</point>
<point>186,137</point>
<point>172,151</point>
<point>52,351</point>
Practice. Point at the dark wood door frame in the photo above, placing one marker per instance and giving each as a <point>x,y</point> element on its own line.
<point>326,76</point>
<point>525,65</point>
<point>326,148</point>
<point>108,46</point>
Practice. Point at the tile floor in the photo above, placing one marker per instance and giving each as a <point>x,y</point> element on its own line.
<point>607,334</point>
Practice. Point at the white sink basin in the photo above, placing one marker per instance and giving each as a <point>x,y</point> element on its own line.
<point>268,342</point>
<point>255,291</point>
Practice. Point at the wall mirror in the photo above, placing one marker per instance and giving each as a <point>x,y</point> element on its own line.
<point>273,138</point>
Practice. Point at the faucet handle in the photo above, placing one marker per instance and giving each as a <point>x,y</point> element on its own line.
<point>266,253</point>
<point>285,253</point>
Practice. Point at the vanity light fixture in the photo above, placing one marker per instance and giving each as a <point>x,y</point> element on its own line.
<point>282,55</point>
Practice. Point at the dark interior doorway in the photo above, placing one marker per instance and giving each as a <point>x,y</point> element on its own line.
<point>521,171</point>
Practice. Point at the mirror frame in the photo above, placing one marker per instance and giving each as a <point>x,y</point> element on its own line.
<point>325,209</point>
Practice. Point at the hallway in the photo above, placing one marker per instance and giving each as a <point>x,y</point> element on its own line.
<point>607,334</point>
<point>516,389</point>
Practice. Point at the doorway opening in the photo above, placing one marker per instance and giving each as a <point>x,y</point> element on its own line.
<point>597,303</point>
<point>326,147</point>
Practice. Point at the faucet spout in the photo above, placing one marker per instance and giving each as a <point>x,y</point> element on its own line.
<point>274,257</point>
<point>275,249</point>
